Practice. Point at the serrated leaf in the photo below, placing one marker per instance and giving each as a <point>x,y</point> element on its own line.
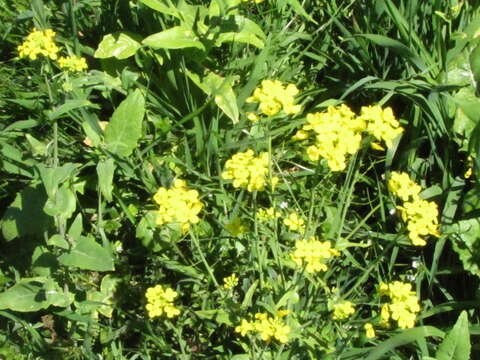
<point>125,127</point>
<point>120,45</point>
<point>105,171</point>
<point>456,345</point>
<point>178,37</point>
<point>87,254</point>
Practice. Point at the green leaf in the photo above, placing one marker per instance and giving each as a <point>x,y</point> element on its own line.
<point>68,106</point>
<point>58,240</point>
<point>76,228</point>
<point>87,254</point>
<point>52,177</point>
<point>24,216</point>
<point>456,345</point>
<point>178,37</point>
<point>160,5</point>
<point>125,127</point>
<point>297,6</point>
<point>26,295</point>
<point>62,204</point>
<point>221,89</point>
<point>120,45</point>
<point>466,243</point>
<point>105,171</point>
<point>405,337</point>
<point>474,59</point>
<point>246,31</point>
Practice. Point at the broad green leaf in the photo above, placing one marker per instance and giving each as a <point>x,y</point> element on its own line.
<point>125,127</point>
<point>87,254</point>
<point>76,228</point>
<point>120,45</point>
<point>162,6</point>
<point>221,89</point>
<point>297,6</point>
<point>13,161</point>
<point>475,63</point>
<point>105,171</point>
<point>178,37</point>
<point>466,243</point>
<point>58,240</point>
<point>43,261</point>
<point>38,148</point>
<point>405,337</point>
<point>246,31</point>
<point>53,177</point>
<point>456,345</point>
<point>26,295</point>
<point>25,216</point>
<point>222,7</point>
<point>62,204</point>
<point>104,297</point>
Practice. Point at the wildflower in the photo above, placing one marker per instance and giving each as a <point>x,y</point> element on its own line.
<point>294,222</point>
<point>160,301</point>
<point>267,327</point>
<point>369,330</point>
<point>273,97</point>
<point>248,171</point>
<point>337,134</point>
<point>264,215</point>
<point>230,282</point>
<point>39,42</point>
<point>403,186</point>
<point>178,205</point>
<point>73,63</point>
<point>381,123</point>
<point>404,304</point>
<point>236,227</point>
<point>313,254</point>
<point>343,310</point>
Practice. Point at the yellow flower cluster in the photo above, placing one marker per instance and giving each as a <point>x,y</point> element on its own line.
<point>160,301</point>
<point>420,215</point>
<point>73,63</point>
<point>39,42</point>
<point>404,304</point>
<point>230,282</point>
<point>256,1</point>
<point>267,327</point>
<point>294,222</point>
<point>178,205</point>
<point>381,123</point>
<point>313,254</point>
<point>273,97</point>
<point>264,215</point>
<point>248,171</point>
<point>337,134</point>
<point>343,310</point>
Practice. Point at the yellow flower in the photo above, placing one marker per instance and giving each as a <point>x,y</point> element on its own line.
<point>245,327</point>
<point>160,301</point>
<point>369,330</point>
<point>248,171</point>
<point>403,186</point>
<point>72,63</point>
<point>404,304</point>
<point>381,123</point>
<point>313,254</point>
<point>270,213</point>
<point>39,42</point>
<point>178,205</point>
<point>230,282</point>
<point>273,97</point>
<point>294,222</point>
<point>267,327</point>
<point>343,310</point>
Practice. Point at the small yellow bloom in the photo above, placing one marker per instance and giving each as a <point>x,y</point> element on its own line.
<point>369,330</point>
<point>39,42</point>
<point>313,254</point>
<point>274,97</point>
<point>72,63</point>
<point>267,327</point>
<point>294,222</point>
<point>160,301</point>
<point>230,282</point>
<point>343,310</point>
<point>270,213</point>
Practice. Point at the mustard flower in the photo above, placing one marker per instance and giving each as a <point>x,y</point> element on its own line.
<point>160,301</point>
<point>39,42</point>
<point>264,215</point>
<point>178,205</point>
<point>274,97</point>
<point>313,254</point>
<point>403,186</point>
<point>343,310</point>
<point>249,171</point>
<point>369,330</point>
<point>381,123</point>
<point>404,304</point>
<point>267,327</point>
<point>72,63</point>
<point>294,222</point>
<point>337,134</point>
<point>230,282</point>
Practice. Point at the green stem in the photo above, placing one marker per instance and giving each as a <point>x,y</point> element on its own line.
<point>202,257</point>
